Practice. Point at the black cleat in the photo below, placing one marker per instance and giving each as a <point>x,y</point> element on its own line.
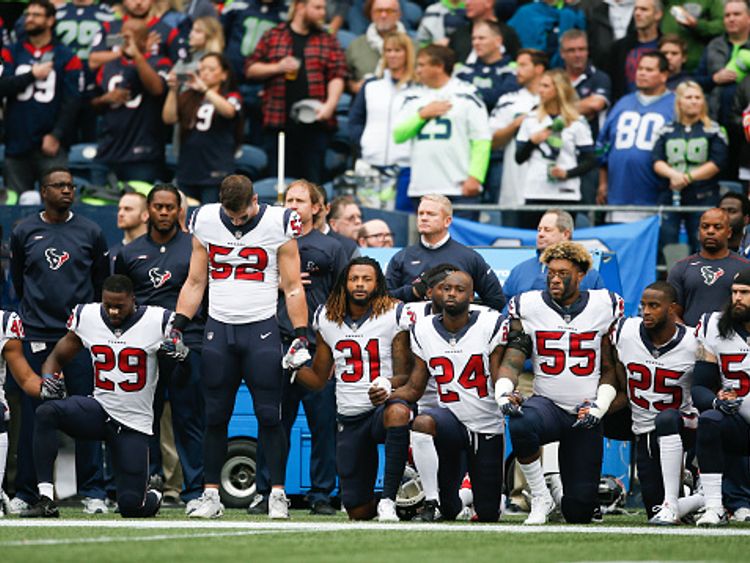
<point>44,508</point>
<point>322,508</point>
<point>258,506</point>
<point>430,512</point>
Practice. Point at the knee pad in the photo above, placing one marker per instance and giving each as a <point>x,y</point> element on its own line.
<point>576,511</point>
<point>524,436</point>
<point>709,424</point>
<point>46,414</point>
<point>268,415</point>
<point>668,422</point>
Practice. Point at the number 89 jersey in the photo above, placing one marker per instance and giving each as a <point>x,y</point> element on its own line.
<point>243,272</point>
<point>567,343</point>
<point>732,353</point>
<point>362,350</point>
<point>124,359</point>
<point>460,364</point>
<point>658,378</point>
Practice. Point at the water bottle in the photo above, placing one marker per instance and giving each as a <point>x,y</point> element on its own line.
<point>676,198</point>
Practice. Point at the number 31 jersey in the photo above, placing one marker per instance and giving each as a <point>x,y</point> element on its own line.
<point>124,359</point>
<point>732,353</point>
<point>567,342</point>
<point>243,271</point>
<point>658,378</point>
<point>460,365</point>
<point>362,350</point>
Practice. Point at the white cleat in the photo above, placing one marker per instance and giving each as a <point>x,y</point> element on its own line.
<point>278,505</point>
<point>4,504</point>
<point>192,505</point>
<point>16,506</point>
<point>667,516</point>
<point>541,508</point>
<point>713,517</point>
<point>94,506</point>
<point>741,515</point>
<point>209,506</point>
<point>387,510</point>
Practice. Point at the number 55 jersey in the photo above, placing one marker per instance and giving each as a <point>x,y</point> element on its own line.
<point>566,354</point>
<point>124,358</point>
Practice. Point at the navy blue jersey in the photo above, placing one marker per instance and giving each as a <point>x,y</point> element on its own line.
<point>411,262</point>
<point>686,148</point>
<point>167,47</point>
<point>244,22</point>
<point>132,132</point>
<point>54,267</point>
<point>158,272</point>
<point>351,248</point>
<point>490,80</point>
<point>207,150</point>
<point>323,258</point>
<point>44,106</point>
<point>594,82</point>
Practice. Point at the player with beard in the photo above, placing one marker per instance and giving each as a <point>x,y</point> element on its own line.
<point>720,386</point>
<point>459,348</point>
<point>655,364</point>
<point>359,338</point>
<point>564,332</point>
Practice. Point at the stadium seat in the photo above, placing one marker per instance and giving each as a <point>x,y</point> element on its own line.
<point>266,189</point>
<point>356,19</point>
<point>341,136</point>
<point>411,14</point>
<point>345,38</point>
<point>336,162</point>
<point>170,158</point>
<point>82,163</point>
<point>673,253</point>
<point>251,161</point>
<point>345,102</point>
<point>726,186</point>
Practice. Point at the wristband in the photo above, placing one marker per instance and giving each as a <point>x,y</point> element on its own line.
<point>180,321</point>
<point>300,332</point>
<point>690,177</point>
<point>604,397</point>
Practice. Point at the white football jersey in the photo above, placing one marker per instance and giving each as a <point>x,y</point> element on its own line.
<point>362,351</point>
<point>732,354</point>
<point>566,354</point>
<point>243,272</point>
<point>658,378</point>
<point>460,365</point>
<point>124,359</point>
<point>10,327</point>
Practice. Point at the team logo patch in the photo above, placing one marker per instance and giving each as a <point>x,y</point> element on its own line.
<point>56,258</point>
<point>295,225</point>
<point>159,277</point>
<point>710,275</point>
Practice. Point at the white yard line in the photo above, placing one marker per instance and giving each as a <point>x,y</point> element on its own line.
<point>113,539</point>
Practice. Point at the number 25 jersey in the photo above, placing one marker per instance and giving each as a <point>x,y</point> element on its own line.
<point>124,359</point>
<point>243,271</point>
<point>566,342</point>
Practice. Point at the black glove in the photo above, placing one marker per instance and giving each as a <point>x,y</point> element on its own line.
<point>727,406</point>
<point>52,387</point>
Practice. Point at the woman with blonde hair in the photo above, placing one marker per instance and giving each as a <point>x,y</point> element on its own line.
<point>557,142</point>
<point>206,36</point>
<point>689,152</point>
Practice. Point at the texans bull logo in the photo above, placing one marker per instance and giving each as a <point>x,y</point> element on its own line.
<point>710,275</point>
<point>55,258</point>
<point>159,277</point>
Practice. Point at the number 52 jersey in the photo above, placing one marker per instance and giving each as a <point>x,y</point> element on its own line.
<point>124,359</point>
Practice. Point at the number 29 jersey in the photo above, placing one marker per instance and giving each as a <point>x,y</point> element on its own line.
<point>362,350</point>
<point>732,353</point>
<point>124,359</point>
<point>658,378</point>
<point>243,271</point>
<point>566,354</point>
<point>460,365</point>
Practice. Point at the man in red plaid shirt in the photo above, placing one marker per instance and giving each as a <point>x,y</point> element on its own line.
<point>297,61</point>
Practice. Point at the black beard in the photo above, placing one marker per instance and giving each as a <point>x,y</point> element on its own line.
<point>357,301</point>
<point>35,31</point>
<point>456,309</point>
<point>741,317</point>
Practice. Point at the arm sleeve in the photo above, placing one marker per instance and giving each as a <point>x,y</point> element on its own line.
<point>394,279</point>
<point>524,150</point>
<point>358,117</point>
<point>121,267</point>
<point>480,158</point>
<point>12,85</point>
<point>718,148</point>
<point>706,382</point>
<point>586,162</point>
<point>408,128</point>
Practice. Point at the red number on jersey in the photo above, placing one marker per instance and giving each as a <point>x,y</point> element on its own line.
<point>557,355</point>
<point>354,359</point>
<point>251,270</point>
<point>726,361</point>
<point>658,382</point>
<point>129,361</point>
<point>472,377</point>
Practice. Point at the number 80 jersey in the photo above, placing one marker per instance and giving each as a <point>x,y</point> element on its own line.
<point>243,272</point>
<point>124,359</point>
<point>567,342</point>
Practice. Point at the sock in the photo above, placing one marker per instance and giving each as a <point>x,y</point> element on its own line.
<point>686,505</point>
<point>555,487</point>
<point>670,456</point>
<point>712,489</point>
<point>211,492</point>
<point>3,453</point>
<point>426,459</point>
<point>46,490</point>
<point>535,478</point>
<point>551,458</point>
<point>396,452</point>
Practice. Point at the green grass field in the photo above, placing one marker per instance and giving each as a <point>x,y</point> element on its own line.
<point>238,537</point>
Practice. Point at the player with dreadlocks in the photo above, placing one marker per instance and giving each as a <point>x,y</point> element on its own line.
<point>358,334</point>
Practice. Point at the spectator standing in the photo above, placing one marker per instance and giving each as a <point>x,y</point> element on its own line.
<point>607,21</point>
<point>737,207</point>
<point>674,48</point>
<point>408,266</point>
<point>647,15</point>
<point>506,119</point>
<point>245,22</point>
<point>557,142</point>
<point>476,11</point>
<point>206,36</point>
<point>440,20</point>
<point>299,61</point>
<point>375,233</point>
<point>364,55</point>
<point>41,105</point>
<point>58,260</point>
<point>627,139</point>
<point>689,153</point>
<point>132,139</point>
<point>696,22</point>
<point>447,125</point>
<point>209,112</point>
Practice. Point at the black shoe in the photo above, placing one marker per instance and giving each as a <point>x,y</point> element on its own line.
<point>598,516</point>
<point>430,512</point>
<point>322,508</point>
<point>258,506</point>
<point>156,482</point>
<point>44,508</point>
